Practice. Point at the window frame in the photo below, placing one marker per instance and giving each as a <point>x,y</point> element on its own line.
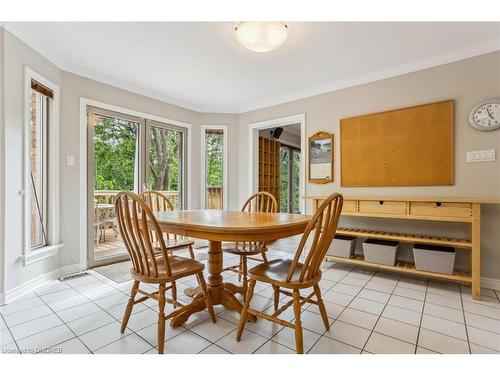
<point>51,248</point>
<point>203,129</point>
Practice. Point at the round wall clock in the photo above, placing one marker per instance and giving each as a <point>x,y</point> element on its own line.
<point>486,115</point>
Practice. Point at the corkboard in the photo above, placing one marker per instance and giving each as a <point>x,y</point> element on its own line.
<point>404,147</point>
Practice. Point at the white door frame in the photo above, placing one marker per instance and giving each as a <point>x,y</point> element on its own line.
<point>84,102</point>
<point>224,164</point>
<point>253,137</point>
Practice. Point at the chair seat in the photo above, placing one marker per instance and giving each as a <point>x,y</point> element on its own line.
<point>275,272</point>
<point>180,267</point>
<point>240,248</point>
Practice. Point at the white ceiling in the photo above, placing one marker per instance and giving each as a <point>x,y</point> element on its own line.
<point>201,66</point>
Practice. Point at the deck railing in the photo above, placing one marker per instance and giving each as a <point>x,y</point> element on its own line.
<point>108,196</point>
<point>214,198</point>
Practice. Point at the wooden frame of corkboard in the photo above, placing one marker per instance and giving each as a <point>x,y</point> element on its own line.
<point>404,147</point>
<point>316,137</point>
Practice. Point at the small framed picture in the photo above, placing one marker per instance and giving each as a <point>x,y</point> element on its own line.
<point>321,158</point>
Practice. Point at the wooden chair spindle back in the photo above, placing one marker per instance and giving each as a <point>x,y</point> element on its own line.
<point>323,225</point>
<point>158,201</point>
<point>137,223</point>
<point>260,202</point>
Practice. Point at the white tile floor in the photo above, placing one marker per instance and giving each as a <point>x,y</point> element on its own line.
<point>369,312</point>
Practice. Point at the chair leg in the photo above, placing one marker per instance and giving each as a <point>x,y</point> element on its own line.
<point>174,294</point>
<point>264,256</point>
<point>276,297</point>
<point>299,344</point>
<point>191,252</point>
<point>130,305</point>
<point>208,299</point>
<point>244,312</point>
<point>321,306</point>
<point>161,318</point>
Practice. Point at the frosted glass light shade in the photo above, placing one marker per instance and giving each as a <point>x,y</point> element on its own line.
<point>261,36</point>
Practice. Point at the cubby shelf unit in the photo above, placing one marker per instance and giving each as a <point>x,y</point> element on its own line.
<point>460,210</point>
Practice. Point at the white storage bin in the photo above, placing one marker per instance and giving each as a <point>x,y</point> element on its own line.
<point>342,246</point>
<point>434,258</point>
<point>381,251</point>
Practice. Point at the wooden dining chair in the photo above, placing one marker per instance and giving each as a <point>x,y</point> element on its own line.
<point>258,202</point>
<point>294,275</point>
<point>153,265</point>
<point>158,201</point>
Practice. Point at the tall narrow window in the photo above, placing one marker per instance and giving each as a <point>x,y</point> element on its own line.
<point>214,167</point>
<point>40,102</point>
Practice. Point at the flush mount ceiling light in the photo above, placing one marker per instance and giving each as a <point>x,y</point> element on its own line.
<point>261,36</point>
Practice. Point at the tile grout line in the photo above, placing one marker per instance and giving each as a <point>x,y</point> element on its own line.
<point>64,323</point>
<point>345,307</point>
<point>10,332</point>
<point>421,316</point>
<point>465,320</point>
<point>100,308</point>
<point>267,339</point>
<point>380,315</point>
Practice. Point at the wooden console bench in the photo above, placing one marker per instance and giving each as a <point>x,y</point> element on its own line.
<point>461,210</point>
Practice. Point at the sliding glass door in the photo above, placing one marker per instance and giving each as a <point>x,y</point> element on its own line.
<point>133,154</point>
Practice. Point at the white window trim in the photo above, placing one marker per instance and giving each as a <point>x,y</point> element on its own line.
<point>30,256</point>
<point>224,164</point>
<point>84,102</point>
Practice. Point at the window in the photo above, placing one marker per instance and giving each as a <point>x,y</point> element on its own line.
<point>40,169</point>
<point>214,170</point>
<point>39,115</point>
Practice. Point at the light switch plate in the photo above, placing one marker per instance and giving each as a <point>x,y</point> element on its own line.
<point>480,156</point>
<point>70,160</point>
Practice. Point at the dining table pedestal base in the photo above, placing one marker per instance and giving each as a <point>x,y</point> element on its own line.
<point>219,293</point>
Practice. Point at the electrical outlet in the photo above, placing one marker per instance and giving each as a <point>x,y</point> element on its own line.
<point>70,160</point>
<point>480,156</point>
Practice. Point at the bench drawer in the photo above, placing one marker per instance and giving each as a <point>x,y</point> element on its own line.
<point>382,207</point>
<point>349,206</point>
<point>441,209</point>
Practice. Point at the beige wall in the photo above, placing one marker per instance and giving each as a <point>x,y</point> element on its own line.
<point>467,82</point>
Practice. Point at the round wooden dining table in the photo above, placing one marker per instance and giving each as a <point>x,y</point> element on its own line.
<point>233,226</point>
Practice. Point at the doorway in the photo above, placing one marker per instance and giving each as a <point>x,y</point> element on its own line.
<point>130,153</point>
<point>279,165</point>
<point>291,193</point>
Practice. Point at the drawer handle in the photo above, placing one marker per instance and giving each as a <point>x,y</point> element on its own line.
<point>381,202</point>
<point>438,204</point>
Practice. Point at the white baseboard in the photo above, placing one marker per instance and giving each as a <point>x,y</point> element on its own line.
<point>487,282</point>
<point>21,290</point>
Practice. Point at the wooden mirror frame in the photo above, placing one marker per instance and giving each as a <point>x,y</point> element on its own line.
<point>315,137</point>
